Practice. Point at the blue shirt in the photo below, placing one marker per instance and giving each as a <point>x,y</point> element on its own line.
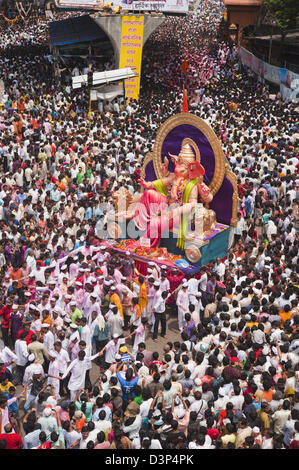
<point>21,198</point>
<point>126,387</point>
<point>14,406</point>
<point>88,213</point>
<point>126,358</point>
<point>32,439</point>
<point>95,416</point>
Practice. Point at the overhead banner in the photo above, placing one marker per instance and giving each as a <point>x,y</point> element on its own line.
<point>131,52</point>
<point>174,6</point>
<point>88,4</point>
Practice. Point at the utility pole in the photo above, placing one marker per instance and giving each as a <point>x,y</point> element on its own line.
<point>89,85</point>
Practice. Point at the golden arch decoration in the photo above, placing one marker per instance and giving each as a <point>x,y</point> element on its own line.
<point>202,126</point>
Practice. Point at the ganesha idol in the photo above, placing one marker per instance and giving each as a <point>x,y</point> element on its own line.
<point>190,195</point>
<point>169,202</point>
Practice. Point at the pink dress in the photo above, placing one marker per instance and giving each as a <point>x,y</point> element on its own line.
<point>147,216</point>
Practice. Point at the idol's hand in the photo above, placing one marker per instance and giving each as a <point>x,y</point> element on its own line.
<point>164,167</point>
<point>143,183</point>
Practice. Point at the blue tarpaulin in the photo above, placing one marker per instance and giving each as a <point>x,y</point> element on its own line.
<point>75,30</point>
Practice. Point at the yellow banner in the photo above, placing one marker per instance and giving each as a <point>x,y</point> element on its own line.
<point>131,51</point>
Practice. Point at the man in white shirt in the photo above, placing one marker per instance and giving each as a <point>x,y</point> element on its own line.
<point>193,289</point>
<point>112,349</point>
<point>22,356</point>
<point>39,273</point>
<point>183,305</point>
<point>220,268</point>
<point>78,368</point>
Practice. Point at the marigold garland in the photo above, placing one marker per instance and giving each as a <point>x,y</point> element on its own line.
<point>11,21</point>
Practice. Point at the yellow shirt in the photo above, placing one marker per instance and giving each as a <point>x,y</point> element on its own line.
<point>284,317</point>
<point>228,438</point>
<point>5,388</point>
<point>250,324</point>
<point>115,299</point>
<point>142,301</point>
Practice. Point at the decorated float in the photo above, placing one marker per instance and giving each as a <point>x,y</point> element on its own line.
<point>189,202</point>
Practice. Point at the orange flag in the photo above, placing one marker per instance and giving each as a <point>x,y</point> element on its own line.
<point>185,102</point>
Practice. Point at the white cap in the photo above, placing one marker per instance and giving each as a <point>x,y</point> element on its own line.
<point>115,336</point>
<point>73,302</point>
<point>31,357</point>
<point>63,267</point>
<point>47,412</point>
<point>51,400</point>
<point>180,412</point>
<point>45,325</point>
<point>73,325</point>
<point>157,284</point>
<point>102,247</point>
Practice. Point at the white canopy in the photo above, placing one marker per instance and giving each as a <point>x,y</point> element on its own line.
<point>108,76</point>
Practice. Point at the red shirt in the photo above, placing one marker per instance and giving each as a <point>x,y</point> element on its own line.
<point>158,364</point>
<point>28,338</point>
<point>45,445</point>
<point>5,312</point>
<point>13,441</point>
<point>213,433</point>
<point>294,445</point>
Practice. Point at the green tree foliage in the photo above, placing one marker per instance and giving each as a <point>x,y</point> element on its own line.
<point>286,12</point>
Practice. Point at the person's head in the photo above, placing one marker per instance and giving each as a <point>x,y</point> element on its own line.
<point>8,428</point>
<point>85,432</point>
<point>81,355</point>
<point>42,437</point>
<point>3,401</point>
<point>129,374</point>
<point>101,437</point>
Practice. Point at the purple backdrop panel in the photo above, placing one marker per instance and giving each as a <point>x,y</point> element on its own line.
<point>222,202</point>
<point>150,174</point>
<point>173,143</point>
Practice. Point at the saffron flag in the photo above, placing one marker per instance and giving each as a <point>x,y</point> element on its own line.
<point>185,102</point>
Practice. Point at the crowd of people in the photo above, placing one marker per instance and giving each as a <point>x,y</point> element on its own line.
<point>80,364</point>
